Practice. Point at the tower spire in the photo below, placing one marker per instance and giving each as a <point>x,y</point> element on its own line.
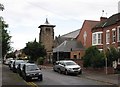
<point>46,22</point>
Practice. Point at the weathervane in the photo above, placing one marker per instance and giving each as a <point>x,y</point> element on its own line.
<point>1,7</point>
<point>102,13</point>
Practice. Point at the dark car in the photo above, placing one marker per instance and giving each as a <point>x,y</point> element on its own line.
<point>31,71</point>
<point>20,68</point>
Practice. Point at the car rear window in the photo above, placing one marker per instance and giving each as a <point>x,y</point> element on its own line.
<point>32,67</point>
<point>70,63</point>
<point>18,62</point>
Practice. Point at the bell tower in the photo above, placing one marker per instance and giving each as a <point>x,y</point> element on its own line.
<point>46,37</point>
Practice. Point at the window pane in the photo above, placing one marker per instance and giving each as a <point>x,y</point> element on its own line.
<point>99,38</point>
<point>107,37</point>
<point>114,36</point>
<point>119,34</point>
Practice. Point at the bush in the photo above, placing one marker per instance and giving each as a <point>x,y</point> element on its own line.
<point>40,61</point>
<point>93,58</point>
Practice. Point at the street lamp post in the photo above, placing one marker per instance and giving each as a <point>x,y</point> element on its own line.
<point>58,56</point>
<point>106,65</point>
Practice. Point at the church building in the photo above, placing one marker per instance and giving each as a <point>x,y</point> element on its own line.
<point>46,37</point>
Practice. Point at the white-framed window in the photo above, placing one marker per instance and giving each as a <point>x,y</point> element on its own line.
<point>118,33</point>
<point>97,38</point>
<point>94,38</point>
<point>113,35</point>
<point>107,36</point>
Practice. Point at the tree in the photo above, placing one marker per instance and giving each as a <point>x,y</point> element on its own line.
<point>34,50</point>
<point>4,38</point>
<point>93,58</point>
<point>112,55</point>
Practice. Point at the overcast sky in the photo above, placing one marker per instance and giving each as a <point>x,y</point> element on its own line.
<point>24,16</point>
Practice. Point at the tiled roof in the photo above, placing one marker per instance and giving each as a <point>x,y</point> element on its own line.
<point>110,21</point>
<point>68,46</point>
<point>68,36</point>
<point>72,34</point>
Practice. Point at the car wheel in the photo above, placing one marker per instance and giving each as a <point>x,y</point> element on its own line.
<point>26,79</point>
<point>54,69</point>
<point>59,71</point>
<point>66,72</point>
<point>80,72</point>
<point>40,78</point>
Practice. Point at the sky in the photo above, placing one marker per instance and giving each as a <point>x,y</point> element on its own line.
<point>24,16</point>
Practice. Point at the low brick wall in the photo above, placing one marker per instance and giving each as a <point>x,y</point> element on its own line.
<point>110,70</point>
<point>79,62</point>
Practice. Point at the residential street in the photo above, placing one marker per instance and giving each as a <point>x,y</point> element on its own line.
<point>54,78</point>
<point>49,78</point>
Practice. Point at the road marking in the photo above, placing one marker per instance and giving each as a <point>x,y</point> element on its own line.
<point>31,84</point>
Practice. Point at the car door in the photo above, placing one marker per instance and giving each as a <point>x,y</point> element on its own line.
<point>62,66</point>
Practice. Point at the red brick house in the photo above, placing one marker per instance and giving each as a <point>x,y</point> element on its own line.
<point>107,33</point>
<point>85,34</point>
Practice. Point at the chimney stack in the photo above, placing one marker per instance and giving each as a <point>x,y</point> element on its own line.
<point>103,19</point>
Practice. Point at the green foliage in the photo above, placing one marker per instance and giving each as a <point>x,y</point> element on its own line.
<point>4,38</point>
<point>34,50</point>
<point>40,61</point>
<point>11,55</point>
<point>93,58</point>
<point>112,54</point>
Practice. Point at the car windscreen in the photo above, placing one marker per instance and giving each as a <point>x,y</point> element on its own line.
<point>32,67</point>
<point>70,63</point>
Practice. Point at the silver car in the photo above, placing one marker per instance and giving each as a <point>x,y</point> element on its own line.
<point>11,64</point>
<point>67,67</point>
<point>16,63</point>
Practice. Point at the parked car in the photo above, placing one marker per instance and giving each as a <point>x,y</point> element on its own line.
<point>67,67</point>
<point>31,71</point>
<point>16,63</point>
<point>20,68</point>
<point>11,64</point>
<point>7,61</point>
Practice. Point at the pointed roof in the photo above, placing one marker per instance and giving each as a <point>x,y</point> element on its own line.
<point>72,34</point>
<point>68,46</point>
<point>46,24</point>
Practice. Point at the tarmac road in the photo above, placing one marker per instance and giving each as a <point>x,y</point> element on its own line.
<point>54,78</point>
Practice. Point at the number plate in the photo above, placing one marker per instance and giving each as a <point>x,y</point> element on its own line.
<point>34,77</point>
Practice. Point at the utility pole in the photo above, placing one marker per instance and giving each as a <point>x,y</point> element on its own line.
<point>106,64</point>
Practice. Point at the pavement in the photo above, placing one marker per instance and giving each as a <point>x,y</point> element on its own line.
<point>113,79</point>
